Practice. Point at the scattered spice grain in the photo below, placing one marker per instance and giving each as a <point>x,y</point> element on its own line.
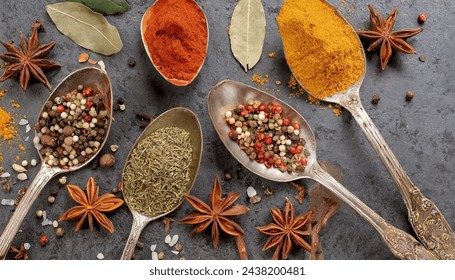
<point>60,232</point>
<point>422,18</point>
<point>375,99</point>
<point>227,176</point>
<point>131,62</point>
<point>422,58</point>
<point>409,95</point>
<point>83,57</point>
<point>107,160</point>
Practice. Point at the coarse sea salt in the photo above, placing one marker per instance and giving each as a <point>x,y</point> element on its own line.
<point>100,256</point>
<point>26,246</point>
<point>7,201</point>
<point>167,239</point>
<point>154,256</point>
<point>153,247</point>
<point>46,221</point>
<point>23,122</point>
<point>250,191</point>
<point>174,240</point>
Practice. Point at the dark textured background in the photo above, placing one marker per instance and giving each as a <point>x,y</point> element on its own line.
<point>421,132</point>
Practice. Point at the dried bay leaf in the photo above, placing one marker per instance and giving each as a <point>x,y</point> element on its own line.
<point>86,28</point>
<point>247,32</point>
<point>109,7</point>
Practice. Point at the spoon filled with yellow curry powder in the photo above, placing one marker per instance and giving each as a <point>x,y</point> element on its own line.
<point>328,61</point>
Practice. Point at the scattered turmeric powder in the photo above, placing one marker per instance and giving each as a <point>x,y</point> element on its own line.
<point>7,130</point>
<point>278,83</point>
<point>3,92</point>
<point>14,104</point>
<point>272,54</point>
<point>257,78</point>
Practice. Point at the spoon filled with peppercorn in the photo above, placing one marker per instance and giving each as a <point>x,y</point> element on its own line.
<point>274,141</point>
<point>161,169</point>
<point>72,127</point>
<point>327,59</point>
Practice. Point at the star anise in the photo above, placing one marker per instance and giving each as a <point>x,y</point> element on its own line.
<point>20,252</point>
<point>285,230</point>
<point>29,59</point>
<point>91,206</point>
<point>217,215</point>
<point>382,36</point>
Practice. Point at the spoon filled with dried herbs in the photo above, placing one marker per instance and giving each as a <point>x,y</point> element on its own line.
<point>161,169</point>
<point>328,61</point>
<point>175,34</point>
<point>274,141</point>
<point>72,127</point>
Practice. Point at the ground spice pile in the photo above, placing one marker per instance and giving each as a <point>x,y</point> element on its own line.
<point>320,47</point>
<point>176,37</point>
<point>7,130</point>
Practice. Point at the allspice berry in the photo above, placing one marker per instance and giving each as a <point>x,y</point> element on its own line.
<point>422,18</point>
<point>107,160</point>
<point>409,95</point>
<point>60,232</point>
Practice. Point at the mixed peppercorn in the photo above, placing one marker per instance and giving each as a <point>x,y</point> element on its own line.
<point>72,127</point>
<point>268,137</point>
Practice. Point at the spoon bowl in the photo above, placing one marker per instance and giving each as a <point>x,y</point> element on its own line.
<point>226,95</point>
<point>420,208</point>
<point>89,77</point>
<point>177,117</point>
<point>177,82</point>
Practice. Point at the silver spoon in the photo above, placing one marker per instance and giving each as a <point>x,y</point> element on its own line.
<point>177,117</point>
<point>228,94</point>
<point>176,82</point>
<point>428,222</point>
<point>89,76</point>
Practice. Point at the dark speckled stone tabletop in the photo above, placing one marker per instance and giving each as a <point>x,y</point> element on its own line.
<point>421,132</point>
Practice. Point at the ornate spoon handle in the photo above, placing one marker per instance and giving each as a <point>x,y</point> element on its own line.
<point>139,222</point>
<point>43,176</point>
<point>400,243</point>
<point>429,224</point>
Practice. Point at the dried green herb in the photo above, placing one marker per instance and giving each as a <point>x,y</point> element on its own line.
<point>108,7</point>
<point>157,174</point>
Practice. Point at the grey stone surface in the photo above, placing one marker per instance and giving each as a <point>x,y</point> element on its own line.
<point>421,132</point>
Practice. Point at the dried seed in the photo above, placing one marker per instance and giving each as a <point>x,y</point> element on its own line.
<point>51,199</point>
<point>121,100</point>
<point>114,191</point>
<point>161,255</point>
<point>6,188</point>
<point>3,181</point>
<point>100,256</point>
<point>39,213</point>
<point>167,239</point>
<point>175,252</point>
<point>107,160</point>
<point>122,107</point>
<point>55,224</point>
<point>83,57</point>
<point>22,191</point>
<point>91,61</point>
<point>114,148</point>
<point>33,162</point>
<point>375,99</point>
<point>268,191</point>
<point>131,62</point>
<point>255,199</point>
<point>409,95</point>
<point>178,247</point>
<point>60,232</point>
<point>227,176</point>
<point>7,201</point>
<point>24,163</point>
<point>139,245</point>
<point>422,58</point>
<point>153,247</point>
<point>5,175</point>
<point>19,168</point>
<point>23,122</point>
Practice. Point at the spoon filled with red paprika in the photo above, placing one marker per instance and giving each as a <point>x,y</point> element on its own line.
<point>175,34</point>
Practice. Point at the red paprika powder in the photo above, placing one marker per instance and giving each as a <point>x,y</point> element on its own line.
<point>176,38</point>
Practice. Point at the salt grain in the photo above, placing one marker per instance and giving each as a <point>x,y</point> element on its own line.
<point>33,162</point>
<point>9,202</point>
<point>175,252</point>
<point>26,246</point>
<point>5,175</point>
<point>153,247</point>
<point>27,128</point>
<point>167,239</point>
<point>174,240</point>
<point>100,256</point>
<point>154,256</point>
<point>22,176</point>
<point>251,191</point>
<point>46,221</point>
<point>23,122</point>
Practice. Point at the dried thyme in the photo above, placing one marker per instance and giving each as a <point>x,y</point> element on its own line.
<point>157,176</point>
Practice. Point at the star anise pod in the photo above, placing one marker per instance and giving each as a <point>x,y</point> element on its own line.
<point>285,230</point>
<point>20,252</point>
<point>382,36</point>
<point>217,215</point>
<point>29,59</point>
<point>91,206</point>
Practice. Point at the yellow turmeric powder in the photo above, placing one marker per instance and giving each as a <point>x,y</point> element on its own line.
<point>7,131</point>
<point>321,49</point>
